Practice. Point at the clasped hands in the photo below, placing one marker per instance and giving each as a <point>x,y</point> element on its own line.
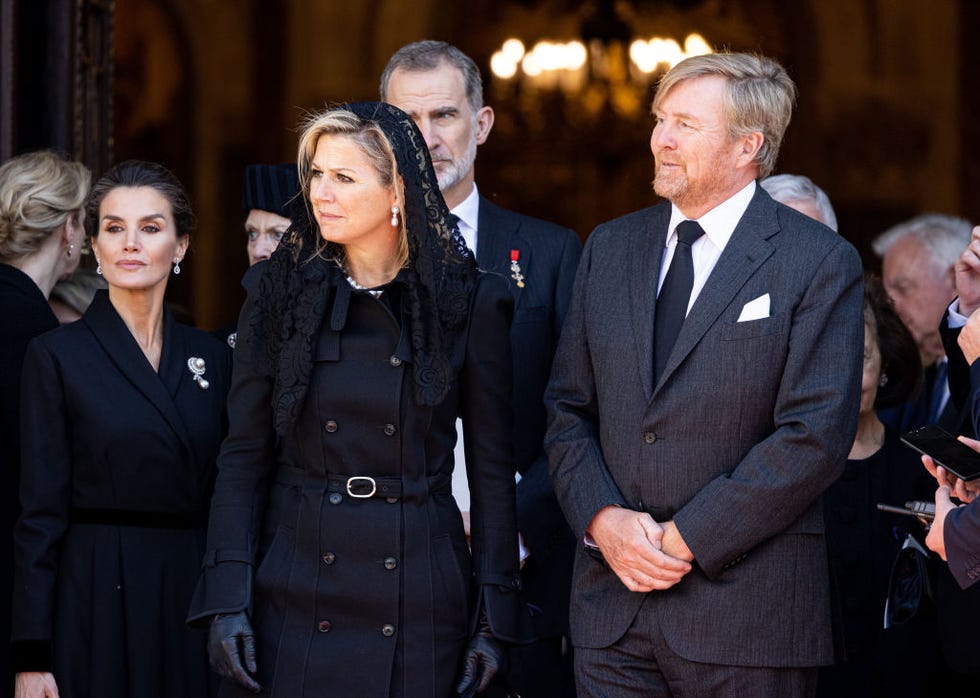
<point>949,486</point>
<point>644,554</point>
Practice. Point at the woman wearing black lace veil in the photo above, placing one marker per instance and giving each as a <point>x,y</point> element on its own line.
<point>333,530</point>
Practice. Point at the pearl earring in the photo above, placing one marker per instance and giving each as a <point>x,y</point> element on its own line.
<point>394,216</point>
<point>176,267</point>
<point>98,268</point>
<point>71,246</point>
<point>883,381</point>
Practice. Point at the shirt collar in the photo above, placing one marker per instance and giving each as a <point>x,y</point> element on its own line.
<point>718,223</point>
<point>468,210</point>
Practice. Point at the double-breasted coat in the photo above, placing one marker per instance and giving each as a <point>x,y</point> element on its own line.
<point>118,462</point>
<point>355,594</point>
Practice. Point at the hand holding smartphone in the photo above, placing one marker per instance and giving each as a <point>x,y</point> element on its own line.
<point>944,448</point>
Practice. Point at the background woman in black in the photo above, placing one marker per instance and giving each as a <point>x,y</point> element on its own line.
<point>863,542</point>
<point>369,333</point>
<point>42,198</point>
<point>122,422</point>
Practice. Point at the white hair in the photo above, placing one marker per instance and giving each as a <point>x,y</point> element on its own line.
<point>945,237</point>
<point>787,188</point>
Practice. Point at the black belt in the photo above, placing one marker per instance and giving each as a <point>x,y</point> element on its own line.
<point>355,486</point>
<point>139,519</point>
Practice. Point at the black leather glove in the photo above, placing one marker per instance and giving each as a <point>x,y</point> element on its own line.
<point>231,648</point>
<point>483,658</point>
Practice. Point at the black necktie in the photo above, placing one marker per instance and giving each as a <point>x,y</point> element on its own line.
<point>675,294</point>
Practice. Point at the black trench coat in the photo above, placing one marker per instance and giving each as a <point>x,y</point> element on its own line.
<point>369,596</point>
<point>118,466</point>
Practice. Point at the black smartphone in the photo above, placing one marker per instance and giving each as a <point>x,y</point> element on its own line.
<point>956,457</point>
<point>921,510</point>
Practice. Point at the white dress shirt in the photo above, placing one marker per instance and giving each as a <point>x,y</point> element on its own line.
<point>718,225</point>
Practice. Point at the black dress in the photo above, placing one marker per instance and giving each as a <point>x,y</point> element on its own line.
<point>118,464</point>
<point>366,595</point>
<point>862,543</point>
<point>24,314</point>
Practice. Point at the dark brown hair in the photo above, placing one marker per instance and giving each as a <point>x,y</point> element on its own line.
<point>138,173</point>
<point>900,361</point>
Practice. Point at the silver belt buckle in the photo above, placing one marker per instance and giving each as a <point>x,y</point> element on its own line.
<point>353,480</point>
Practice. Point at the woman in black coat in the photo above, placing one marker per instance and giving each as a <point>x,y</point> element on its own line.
<point>123,413</point>
<point>42,199</point>
<point>333,529</point>
<point>863,542</point>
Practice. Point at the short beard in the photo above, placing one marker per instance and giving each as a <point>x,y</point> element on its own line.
<point>454,174</point>
<point>669,189</point>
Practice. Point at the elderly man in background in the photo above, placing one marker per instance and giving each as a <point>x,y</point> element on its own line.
<point>800,193</point>
<point>918,259</point>
<point>440,88</point>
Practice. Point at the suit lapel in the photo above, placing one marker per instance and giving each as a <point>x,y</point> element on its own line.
<point>645,247</point>
<point>497,234</point>
<point>745,252</point>
<point>121,348</point>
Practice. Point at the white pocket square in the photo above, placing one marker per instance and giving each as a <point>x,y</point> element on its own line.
<point>755,309</point>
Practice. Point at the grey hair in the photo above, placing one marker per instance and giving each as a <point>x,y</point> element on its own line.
<point>759,97</point>
<point>945,237</point>
<point>787,188</point>
<point>423,56</point>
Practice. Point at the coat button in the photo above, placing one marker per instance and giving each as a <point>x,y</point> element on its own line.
<point>387,629</point>
<point>390,563</point>
<point>395,361</point>
<point>330,426</point>
<point>329,558</point>
<point>390,429</point>
<point>323,626</point>
<point>336,498</point>
<point>649,437</point>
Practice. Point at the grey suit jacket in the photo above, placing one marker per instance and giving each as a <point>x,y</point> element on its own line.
<point>747,426</point>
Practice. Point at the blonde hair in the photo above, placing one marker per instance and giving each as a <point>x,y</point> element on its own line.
<point>373,143</point>
<point>759,97</point>
<point>39,193</point>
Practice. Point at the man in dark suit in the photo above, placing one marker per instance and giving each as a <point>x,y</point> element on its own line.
<point>440,88</point>
<point>692,432</point>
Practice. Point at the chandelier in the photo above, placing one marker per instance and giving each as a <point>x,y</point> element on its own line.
<point>607,68</point>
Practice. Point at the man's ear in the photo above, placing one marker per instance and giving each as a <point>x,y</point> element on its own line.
<point>749,146</point>
<point>484,122</point>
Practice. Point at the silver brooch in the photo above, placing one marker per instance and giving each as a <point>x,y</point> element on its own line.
<point>232,338</point>
<point>195,365</point>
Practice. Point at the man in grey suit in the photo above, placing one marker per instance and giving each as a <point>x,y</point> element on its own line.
<point>440,88</point>
<point>689,455</point>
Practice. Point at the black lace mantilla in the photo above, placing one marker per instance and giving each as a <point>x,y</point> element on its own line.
<point>303,285</point>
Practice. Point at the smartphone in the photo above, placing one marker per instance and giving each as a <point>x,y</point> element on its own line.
<point>921,510</point>
<point>956,457</point>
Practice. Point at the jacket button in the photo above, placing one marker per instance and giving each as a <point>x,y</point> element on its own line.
<point>390,563</point>
<point>336,498</point>
<point>329,558</point>
<point>395,361</point>
<point>390,429</point>
<point>330,426</point>
<point>649,437</point>
<point>323,626</point>
<point>387,629</point>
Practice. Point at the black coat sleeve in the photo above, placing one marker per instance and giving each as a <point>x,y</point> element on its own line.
<point>245,465</point>
<point>45,495</point>
<point>485,383</point>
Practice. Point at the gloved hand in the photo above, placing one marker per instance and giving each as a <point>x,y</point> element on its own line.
<point>483,658</point>
<point>231,648</point>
